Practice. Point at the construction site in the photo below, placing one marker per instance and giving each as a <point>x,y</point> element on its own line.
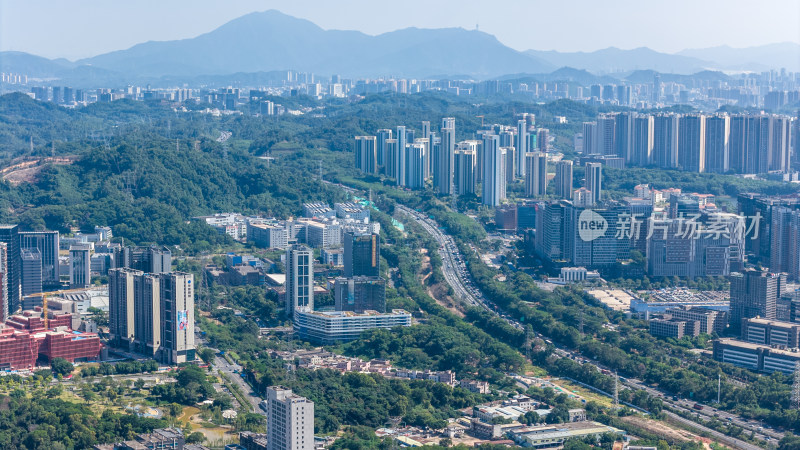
<point>37,337</point>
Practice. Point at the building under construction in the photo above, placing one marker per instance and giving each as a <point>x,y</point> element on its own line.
<point>29,338</point>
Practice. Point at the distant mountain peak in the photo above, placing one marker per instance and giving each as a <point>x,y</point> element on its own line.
<point>268,41</point>
<point>272,40</point>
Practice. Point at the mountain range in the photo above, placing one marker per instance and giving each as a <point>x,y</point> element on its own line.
<point>272,41</point>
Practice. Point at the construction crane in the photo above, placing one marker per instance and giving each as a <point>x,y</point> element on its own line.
<point>481,120</point>
<point>44,296</point>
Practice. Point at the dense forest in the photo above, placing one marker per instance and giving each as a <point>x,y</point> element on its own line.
<point>58,424</point>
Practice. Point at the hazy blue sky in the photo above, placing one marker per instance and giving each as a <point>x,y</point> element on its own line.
<point>81,28</point>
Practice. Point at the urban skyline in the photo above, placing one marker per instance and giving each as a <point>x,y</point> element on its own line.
<point>278,235</point>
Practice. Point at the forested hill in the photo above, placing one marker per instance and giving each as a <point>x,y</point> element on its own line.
<point>23,119</point>
<point>145,180</point>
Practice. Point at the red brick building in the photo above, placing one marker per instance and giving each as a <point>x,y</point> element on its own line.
<point>25,340</point>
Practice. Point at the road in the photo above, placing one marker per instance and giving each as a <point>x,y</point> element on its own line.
<point>233,371</point>
<point>725,439</point>
<point>454,269</point>
<point>709,412</point>
<point>456,275</point>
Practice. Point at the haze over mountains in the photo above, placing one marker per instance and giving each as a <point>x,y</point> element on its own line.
<point>272,41</point>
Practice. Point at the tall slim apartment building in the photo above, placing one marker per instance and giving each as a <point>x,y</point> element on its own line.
<point>642,152</point>
<point>780,145</point>
<point>121,309</point>
<point>415,165</point>
<point>430,136</point>
<point>464,176</point>
<point>494,171</point>
<point>399,156</point>
<point>381,137</point>
<point>47,242</point>
<point>299,279</point>
<point>536,175</point>
<point>290,420</point>
<point>563,179</point>
<point>738,143</point>
<point>594,181</point>
<point>147,311</point>
<point>543,139</point>
<point>605,135</point>
<point>31,271</point>
<point>366,154</point>
<point>80,266</point>
<point>754,293</point>
<point>436,150</point>
<point>522,147</point>
<point>3,282</point>
<point>718,129</point>
<point>759,145</point>
<point>665,140</point>
<point>478,157</point>
<point>427,142</point>
<point>177,317</point>
<point>692,143</point>
<point>506,137</point>
<point>443,178</point>
<point>623,135</point>
<point>410,136</point>
<point>152,313</point>
<point>392,155</point>
<point>426,134</point>
<point>362,255</point>
<point>624,95</point>
<point>9,235</point>
<point>589,140</point>
<point>402,158</point>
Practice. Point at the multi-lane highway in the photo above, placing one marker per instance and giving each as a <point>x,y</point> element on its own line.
<point>709,412</point>
<point>454,268</point>
<point>723,438</point>
<point>456,275</point>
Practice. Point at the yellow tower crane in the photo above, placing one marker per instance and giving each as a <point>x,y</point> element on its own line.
<point>44,295</point>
